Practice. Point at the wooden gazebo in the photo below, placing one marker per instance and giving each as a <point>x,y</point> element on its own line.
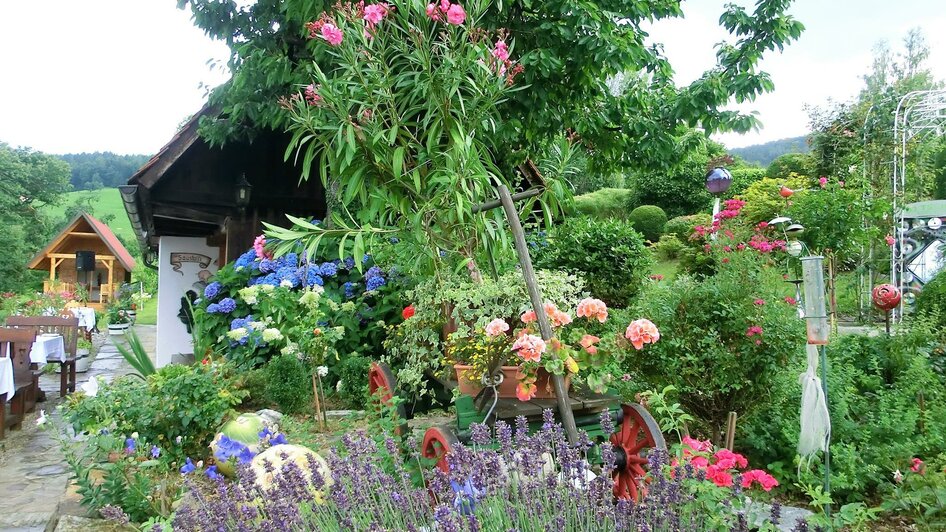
<point>83,237</point>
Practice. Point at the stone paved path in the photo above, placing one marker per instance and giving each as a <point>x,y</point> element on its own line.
<point>33,476</point>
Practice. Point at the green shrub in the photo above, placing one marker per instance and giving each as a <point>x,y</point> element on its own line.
<point>932,299</point>
<point>785,165</point>
<point>763,201</point>
<point>610,256</point>
<point>352,373</point>
<point>742,177</point>
<point>682,226</point>
<point>669,246</point>
<point>189,402</point>
<point>289,383</point>
<point>605,203</point>
<point>649,220</point>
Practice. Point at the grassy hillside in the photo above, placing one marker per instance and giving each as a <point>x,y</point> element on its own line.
<point>104,201</point>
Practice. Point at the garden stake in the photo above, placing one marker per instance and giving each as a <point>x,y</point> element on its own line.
<point>731,431</point>
<point>318,403</point>
<point>525,261</point>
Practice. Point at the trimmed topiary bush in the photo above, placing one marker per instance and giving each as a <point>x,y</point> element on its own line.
<point>605,203</point>
<point>609,255</point>
<point>649,220</point>
<point>288,383</point>
<point>682,226</point>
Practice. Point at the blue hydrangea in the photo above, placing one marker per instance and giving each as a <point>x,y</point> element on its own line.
<point>269,279</point>
<point>238,323</point>
<point>246,260</point>
<point>267,266</point>
<point>365,259</point>
<point>313,278</point>
<point>226,305</point>
<point>212,290</point>
<point>373,271</point>
<point>328,269</point>
<point>213,308</point>
<point>349,263</point>
<point>287,260</point>
<point>288,273</point>
<point>375,283</point>
<point>349,290</point>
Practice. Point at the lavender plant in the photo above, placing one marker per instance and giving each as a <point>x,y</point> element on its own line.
<point>506,478</point>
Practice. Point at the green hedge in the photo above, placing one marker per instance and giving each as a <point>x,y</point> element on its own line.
<point>605,203</point>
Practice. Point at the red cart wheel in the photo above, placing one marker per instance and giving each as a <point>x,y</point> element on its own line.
<point>637,435</point>
<point>438,441</point>
<point>383,384</point>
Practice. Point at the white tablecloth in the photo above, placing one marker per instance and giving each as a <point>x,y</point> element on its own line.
<point>86,316</point>
<point>6,374</point>
<point>46,347</point>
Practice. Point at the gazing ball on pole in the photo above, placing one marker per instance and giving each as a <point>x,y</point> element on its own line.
<point>886,297</point>
<point>718,180</point>
<point>785,192</point>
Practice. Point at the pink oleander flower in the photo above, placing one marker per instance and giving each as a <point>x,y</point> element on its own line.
<point>754,330</point>
<point>890,240</point>
<point>375,13</point>
<point>588,343</point>
<point>525,391</point>
<point>529,347</point>
<point>312,96</point>
<point>917,466</point>
<point>501,51</point>
<point>759,302</point>
<point>259,245</point>
<point>592,309</point>
<point>823,181</point>
<point>456,15</point>
<point>331,33</point>
<point>641,332</point>
<point>496,327</point>
<point>764,479</point>
<point>433,11</point>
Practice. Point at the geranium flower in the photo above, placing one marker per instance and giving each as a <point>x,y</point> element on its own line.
<point>890,240</point>
<point>641,332</point>
<point>592,309</point>
<point>496,327</point>
<point>331,33</point>
<point>719,476</point>
<point>588,343</point>
<point>528,316</point>
<point>525,391</point>
<point>408,312</point>
<point>529,347</point>
<point>695,445</point>
<point>730,460</point>
<point>764,479</point>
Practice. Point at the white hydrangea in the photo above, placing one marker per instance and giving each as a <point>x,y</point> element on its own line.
<point>257,325</point>
<point>249,294</point>
<point>271,335</point>
<point>309,298</point>
<point>290,349</point>
<point>285,283</point>
<point>348,306</point>
<point>266,288</point>
<point>321,371</point>
<point>237,334</point>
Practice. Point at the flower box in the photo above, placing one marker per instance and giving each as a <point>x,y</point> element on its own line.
<point>118,329</point>
<point>507,389</point>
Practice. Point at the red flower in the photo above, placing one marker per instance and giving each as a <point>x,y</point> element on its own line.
<point>408,312</point>
<point>917,466</point>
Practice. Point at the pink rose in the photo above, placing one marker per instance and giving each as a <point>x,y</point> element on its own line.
<point>332,34</point>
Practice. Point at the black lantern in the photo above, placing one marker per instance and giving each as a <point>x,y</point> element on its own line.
<point>718,180</point>
<point>243,190</point>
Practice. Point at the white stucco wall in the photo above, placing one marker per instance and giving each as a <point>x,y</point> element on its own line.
<point>180,262</point>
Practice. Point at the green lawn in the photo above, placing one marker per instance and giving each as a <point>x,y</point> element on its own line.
<point>104,202</point>
<point>667,268</point>
<point>148,312</point>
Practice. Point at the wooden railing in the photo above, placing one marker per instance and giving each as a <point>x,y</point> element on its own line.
<point>105,292</point>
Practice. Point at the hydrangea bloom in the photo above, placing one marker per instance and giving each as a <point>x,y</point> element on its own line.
<point>349,263</point>
<point>349,290</point>
<point>287,274</point>
<point>271,335</point>
<point>226,306</point>
<point>373,271</point>
<point>313,278</point>
<point>212,290</point>
<point>496,327</point>
<point>641,332</point>
<point>375,283</point>
<point>529,347</point>
<point>592,309</point>
<point>213,308</point>
<point>246,260</point>
<point>267,266</point>
<point>328,269</point>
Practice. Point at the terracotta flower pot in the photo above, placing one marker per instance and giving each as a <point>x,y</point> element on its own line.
<point>507,390</point>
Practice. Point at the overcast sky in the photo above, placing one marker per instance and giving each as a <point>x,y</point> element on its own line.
<point>120,75</point>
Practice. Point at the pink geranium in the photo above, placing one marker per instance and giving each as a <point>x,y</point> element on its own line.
<point>694,445</point>
<point>592,309</point>
<point>719,476</point>
<point>496,327</point>
<point>332,34</point>
<point>730,460</point>
<point>528,316</point>
<point>529,347</point>
<point>641,332</point>
<point>764,479</point>
<point>525,391</point>
<point>588,343</point>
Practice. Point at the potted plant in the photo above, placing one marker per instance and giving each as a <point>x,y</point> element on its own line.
<point>83,356</point>
<point>118,320</point>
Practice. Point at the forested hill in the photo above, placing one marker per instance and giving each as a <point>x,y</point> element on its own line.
<point>764,154</point>
<point>91,171</point>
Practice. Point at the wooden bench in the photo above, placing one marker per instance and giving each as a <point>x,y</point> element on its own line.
<point>16,344</point>
<point>69,329</point>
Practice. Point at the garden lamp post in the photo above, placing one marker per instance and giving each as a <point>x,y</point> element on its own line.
<point>718,181</point>
<point>815,418</point>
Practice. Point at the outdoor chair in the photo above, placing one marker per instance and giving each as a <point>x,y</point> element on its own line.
<point>16,344</point>
<point>69,329</point>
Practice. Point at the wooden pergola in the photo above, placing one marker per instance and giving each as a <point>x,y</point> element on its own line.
<point>113,263</point>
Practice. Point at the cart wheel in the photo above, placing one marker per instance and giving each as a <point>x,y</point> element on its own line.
<point>438,441</point>
<point>382,384</point>
<point>638,434</point>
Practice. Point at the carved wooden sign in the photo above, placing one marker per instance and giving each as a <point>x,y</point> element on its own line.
<point>178,259</point>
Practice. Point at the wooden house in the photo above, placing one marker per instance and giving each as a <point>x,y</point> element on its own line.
<point>196,207</point>
<point>86,252</point>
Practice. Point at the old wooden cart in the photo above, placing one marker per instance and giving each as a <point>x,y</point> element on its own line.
<point>636,435</point>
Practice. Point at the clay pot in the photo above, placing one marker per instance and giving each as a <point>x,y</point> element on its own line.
<point>507,389</point>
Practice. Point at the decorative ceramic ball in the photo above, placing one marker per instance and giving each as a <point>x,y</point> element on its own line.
<point>886,296</point>
<point>244,429</point>
<point>785,192</point>
<point>278,455</point>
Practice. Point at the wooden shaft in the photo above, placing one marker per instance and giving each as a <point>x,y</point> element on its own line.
<point>492,204</point>
<point>561,393</point>
<point>731,431</point>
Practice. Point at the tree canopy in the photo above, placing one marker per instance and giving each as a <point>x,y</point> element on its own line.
<point>588,66</point>
<point>92,171</point>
